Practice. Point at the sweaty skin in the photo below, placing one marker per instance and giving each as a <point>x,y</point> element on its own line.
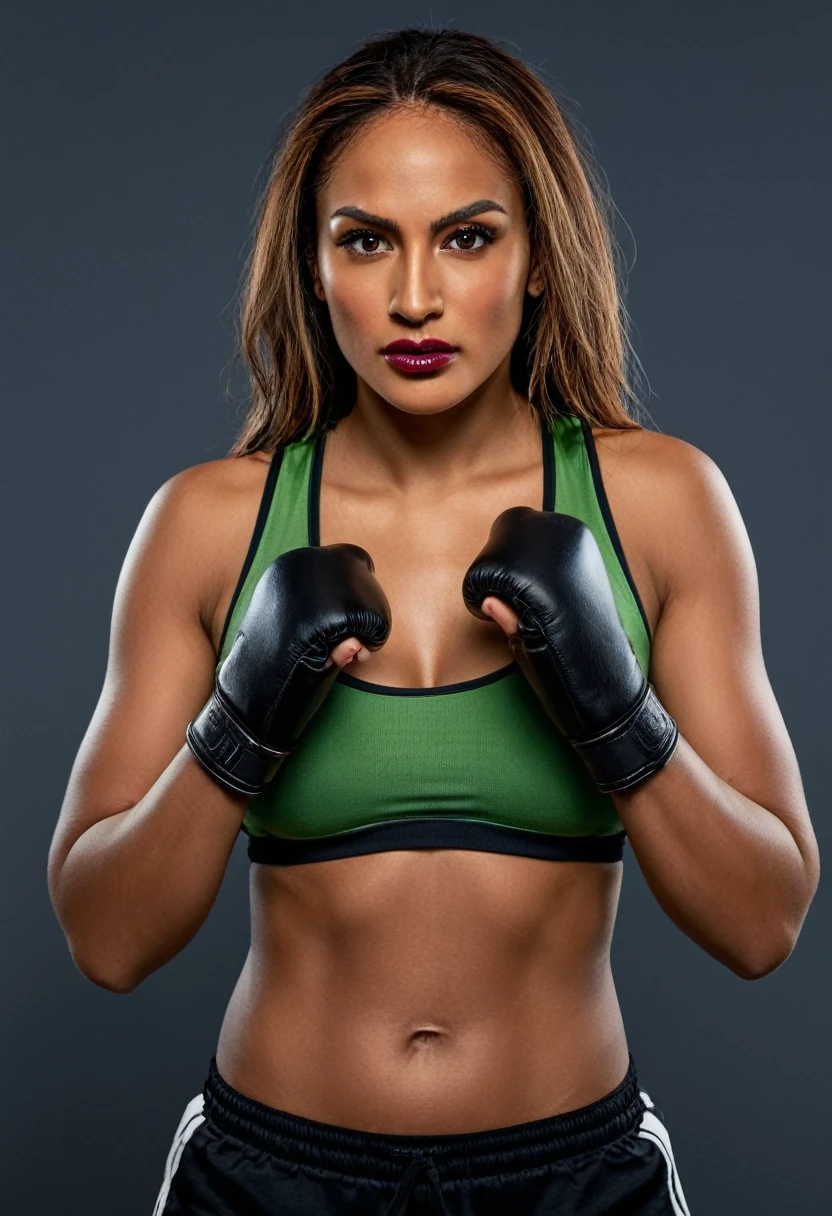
<point>431,991</point>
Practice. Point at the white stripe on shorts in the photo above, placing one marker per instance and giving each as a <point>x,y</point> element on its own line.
<point>188,1124</point>
<point>653,1129</point>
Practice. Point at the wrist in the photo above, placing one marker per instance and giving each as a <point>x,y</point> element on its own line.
<point>228,751</point>
<point>631,749</point>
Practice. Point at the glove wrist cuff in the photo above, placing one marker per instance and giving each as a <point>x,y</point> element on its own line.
<point>633,748</point>
<point>228,751</point>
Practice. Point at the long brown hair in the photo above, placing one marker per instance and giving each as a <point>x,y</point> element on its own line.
<point>573,353</point>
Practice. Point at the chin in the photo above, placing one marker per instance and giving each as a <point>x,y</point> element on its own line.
<point>425,397</point>
<point>425,409</point>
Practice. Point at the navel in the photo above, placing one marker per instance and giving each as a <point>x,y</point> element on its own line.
<point>425,1036</point>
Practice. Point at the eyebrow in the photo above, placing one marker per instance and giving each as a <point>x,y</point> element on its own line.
<point>453,217</point>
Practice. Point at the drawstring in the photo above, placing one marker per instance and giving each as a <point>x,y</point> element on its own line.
<point>419,1162</point>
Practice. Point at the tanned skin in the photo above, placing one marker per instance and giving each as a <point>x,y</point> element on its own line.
<point>433,990</point>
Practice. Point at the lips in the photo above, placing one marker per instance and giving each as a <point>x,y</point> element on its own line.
<point>417,358</point>
<point>408,346</point>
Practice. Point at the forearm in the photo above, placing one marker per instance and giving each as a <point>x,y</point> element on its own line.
<point>727,872</point>
<point>135,887</point>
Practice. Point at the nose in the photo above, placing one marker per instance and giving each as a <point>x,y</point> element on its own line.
<point>416,289</point>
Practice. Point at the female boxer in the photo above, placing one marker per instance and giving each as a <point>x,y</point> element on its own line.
<point>555,610</point>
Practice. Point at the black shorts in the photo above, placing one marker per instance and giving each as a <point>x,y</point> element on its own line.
<point>232,1156</point>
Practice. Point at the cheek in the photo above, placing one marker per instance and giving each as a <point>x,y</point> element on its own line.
<point>350,298</point>
<point>353,311</point>
<point>492,301</point>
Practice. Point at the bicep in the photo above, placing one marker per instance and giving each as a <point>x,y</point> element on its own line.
<point>707,664</point>
<point>159,670</point>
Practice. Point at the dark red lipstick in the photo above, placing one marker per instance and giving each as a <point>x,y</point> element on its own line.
<point>425,356</point>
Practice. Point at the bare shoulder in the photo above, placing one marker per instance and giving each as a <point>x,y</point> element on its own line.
<point>203,517</point>
<point>640,453</point>
<point>214,481</point>
<point>206,503</point>
<point>674,502</point>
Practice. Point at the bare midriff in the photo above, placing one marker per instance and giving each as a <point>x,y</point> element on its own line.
<point>427,991</point>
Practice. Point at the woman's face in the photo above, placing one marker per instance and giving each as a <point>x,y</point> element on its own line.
<point>462,282</point>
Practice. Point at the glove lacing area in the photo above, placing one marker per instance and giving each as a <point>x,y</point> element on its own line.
<point>421,1162</point>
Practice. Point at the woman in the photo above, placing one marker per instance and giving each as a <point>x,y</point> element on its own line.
<point>438,479</point>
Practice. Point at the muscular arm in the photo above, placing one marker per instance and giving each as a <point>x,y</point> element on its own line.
<point>144,835</point>
<point>722,833</point>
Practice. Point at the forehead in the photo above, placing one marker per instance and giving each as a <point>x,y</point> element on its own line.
<point>411,160</point>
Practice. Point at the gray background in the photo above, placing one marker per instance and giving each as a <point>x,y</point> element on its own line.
<point>134,136</point>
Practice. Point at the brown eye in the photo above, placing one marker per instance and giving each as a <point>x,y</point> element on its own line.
<point>369,237</point>
<point>350,239</point>
<point>471,233</point>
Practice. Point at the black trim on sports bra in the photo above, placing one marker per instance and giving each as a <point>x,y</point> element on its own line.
<point>549,473</point>
<point>313,493</point>
<point>393,690</point>
<point>603,502</point>
<point>436,834</point>
<point>313,525</point>
<point>259,525</point>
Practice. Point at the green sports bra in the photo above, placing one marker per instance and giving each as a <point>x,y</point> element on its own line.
<point>473,765</point>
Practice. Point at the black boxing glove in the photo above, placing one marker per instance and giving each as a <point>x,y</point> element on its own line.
<point>274,679</point>
<point>572,647</point>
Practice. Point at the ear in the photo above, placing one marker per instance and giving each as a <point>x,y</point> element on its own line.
<point>535,283</point>
<point>317,286</point>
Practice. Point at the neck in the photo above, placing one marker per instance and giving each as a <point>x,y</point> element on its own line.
<point>478,438</point>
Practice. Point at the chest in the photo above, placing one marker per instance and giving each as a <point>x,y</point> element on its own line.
<point>441,743</point>
<point>421,549</point>
<point>422,544</point>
